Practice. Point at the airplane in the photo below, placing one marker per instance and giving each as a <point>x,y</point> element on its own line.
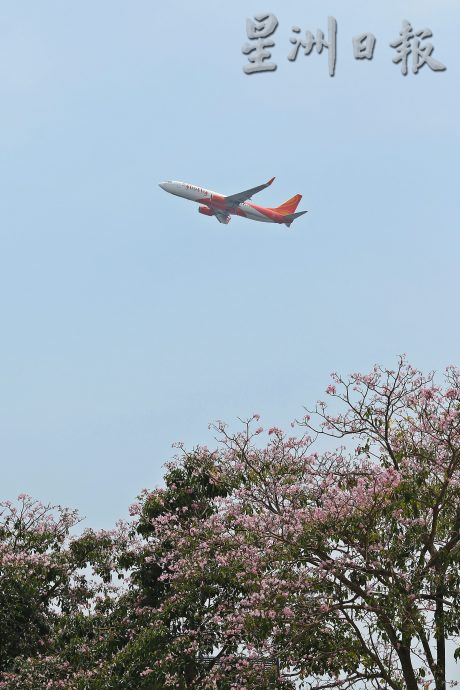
<point>223,207</point>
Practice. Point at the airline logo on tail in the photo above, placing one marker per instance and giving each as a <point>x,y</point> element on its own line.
<point>223,207</point>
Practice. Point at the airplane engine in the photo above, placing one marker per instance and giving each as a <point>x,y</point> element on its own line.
<point>205,210</point>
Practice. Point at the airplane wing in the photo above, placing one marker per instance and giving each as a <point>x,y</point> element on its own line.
<point>247,194</point>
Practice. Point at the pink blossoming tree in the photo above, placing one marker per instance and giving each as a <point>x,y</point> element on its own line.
<point>52,587</point>
<point>344,565</point>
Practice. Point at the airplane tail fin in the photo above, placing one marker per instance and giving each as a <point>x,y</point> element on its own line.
<point>289,206</point>
<point>290,217</point>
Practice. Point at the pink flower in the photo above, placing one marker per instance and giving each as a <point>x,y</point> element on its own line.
<point>275,430</point>
<point>330,390</point>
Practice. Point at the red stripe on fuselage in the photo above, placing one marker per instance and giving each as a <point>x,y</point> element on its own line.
<point>269,213</point>
<point>217,201</point>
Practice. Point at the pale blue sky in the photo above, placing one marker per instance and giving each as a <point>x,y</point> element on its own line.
<point>129,320</point>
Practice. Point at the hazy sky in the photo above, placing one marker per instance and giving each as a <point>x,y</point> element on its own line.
<point>129,320</point>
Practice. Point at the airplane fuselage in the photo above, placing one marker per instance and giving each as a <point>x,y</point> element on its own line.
<point>213,203</point>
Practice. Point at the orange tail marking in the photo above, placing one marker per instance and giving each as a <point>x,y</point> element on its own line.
<point>289,206</point>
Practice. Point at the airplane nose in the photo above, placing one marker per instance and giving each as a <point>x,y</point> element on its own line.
<point>163,185</point>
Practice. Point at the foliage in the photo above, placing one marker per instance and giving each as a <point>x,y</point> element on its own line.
<point>53,590</point>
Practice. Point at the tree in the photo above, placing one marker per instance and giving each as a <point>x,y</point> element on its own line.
<point>155,651</point>
<point>156,628</point>
<point>344,564</point>
<point>111,640</point>
<point>55,591</point>
<point>33,573</point>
